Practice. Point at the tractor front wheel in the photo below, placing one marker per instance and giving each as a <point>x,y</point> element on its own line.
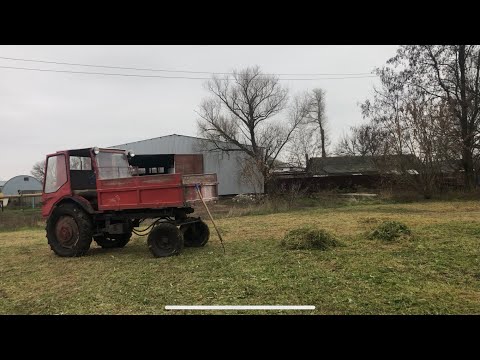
<point>165,240</point>
<point>69,230</point>
<point>195,234</point>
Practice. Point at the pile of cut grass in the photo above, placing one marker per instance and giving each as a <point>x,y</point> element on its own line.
<point>309,238</point>
<point>390,231</point>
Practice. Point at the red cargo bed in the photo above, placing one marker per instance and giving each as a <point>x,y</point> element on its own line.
<point>155,191</point>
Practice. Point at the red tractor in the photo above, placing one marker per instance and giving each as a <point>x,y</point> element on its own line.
<point>98,194</point>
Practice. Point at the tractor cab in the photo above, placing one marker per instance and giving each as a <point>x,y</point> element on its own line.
<point>75,172</point>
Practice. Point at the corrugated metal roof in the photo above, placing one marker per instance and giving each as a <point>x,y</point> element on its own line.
<point>364,165</point>
<point>342,165</point>
<point>164,136</point>
<point>174,135</point>
<point>23,183</point>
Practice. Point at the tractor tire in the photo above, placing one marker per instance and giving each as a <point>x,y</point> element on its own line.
<point>195,234</point>
<point>165,240</point>
<point>110,241</point>
<point>69,230</point>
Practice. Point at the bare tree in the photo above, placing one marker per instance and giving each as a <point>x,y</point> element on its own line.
<point>305,144</point>
<point>243,114</point>
<point>363,140</point>
<point>450,74</point>
<point>415,127</point>
<point>347,145</point>
<point>427,139</point>
<point>250,175</point>
<point>316,116</point>
<point>38,170</point>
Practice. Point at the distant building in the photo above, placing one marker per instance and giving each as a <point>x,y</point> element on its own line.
<point>350,172</point>
<point>19,185</point>
<point>284,168</point>
<point>288,169</point>
<point>360,165</point>
<point>342,165</point>
<point>227,165</point>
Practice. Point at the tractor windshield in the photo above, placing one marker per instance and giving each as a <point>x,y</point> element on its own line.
<point>113,165</point>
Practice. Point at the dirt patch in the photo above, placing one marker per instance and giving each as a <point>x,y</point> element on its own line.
<point>3,294</point>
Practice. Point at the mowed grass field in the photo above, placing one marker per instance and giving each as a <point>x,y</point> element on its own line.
<point>436,271</point>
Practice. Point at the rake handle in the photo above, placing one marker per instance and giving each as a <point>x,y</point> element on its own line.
<point>197,187</point>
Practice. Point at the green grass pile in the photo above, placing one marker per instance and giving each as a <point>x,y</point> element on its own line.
<point>309,238</point>
<point>390,231</point>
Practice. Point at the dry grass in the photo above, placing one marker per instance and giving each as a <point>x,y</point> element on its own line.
<point>437,272</point>
<point>18,219</point>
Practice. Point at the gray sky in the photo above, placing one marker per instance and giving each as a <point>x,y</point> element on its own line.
<point>42,112</point>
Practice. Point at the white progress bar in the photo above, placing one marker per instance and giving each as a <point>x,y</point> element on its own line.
<point>239,307</point>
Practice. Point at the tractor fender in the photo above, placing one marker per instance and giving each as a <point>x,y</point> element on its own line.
<point>80,200</point>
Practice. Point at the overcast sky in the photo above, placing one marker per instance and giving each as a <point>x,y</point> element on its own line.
<point>42,112</point>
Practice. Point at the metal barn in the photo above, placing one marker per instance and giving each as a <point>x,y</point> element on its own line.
<point>227,166</point>
<point>22,184</point>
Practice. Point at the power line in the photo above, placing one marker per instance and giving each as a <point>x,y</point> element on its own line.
<point>166,77</point>
<point>100,73</point>
<point>164,70</point>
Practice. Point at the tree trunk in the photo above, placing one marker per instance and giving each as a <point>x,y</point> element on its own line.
<point>467,141</point>
<point>266,176</point>
<point>467,161</point>
<point>322,138</point>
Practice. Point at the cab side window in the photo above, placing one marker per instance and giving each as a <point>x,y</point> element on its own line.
<point>56,174</point>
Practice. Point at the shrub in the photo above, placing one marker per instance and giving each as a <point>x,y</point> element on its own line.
<point>390,230</point>
<point>306,238</point>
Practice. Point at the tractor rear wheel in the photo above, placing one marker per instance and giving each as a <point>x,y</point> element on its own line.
<point>110,241</point>
<point>195,234</point>
<point>69,230</point>
<point>165,240</point>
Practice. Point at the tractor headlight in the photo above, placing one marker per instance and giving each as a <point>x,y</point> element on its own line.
<point>96,150</point>
<point>130,153</point>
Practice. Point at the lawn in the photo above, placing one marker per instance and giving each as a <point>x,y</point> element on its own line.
<point>436,271</point>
